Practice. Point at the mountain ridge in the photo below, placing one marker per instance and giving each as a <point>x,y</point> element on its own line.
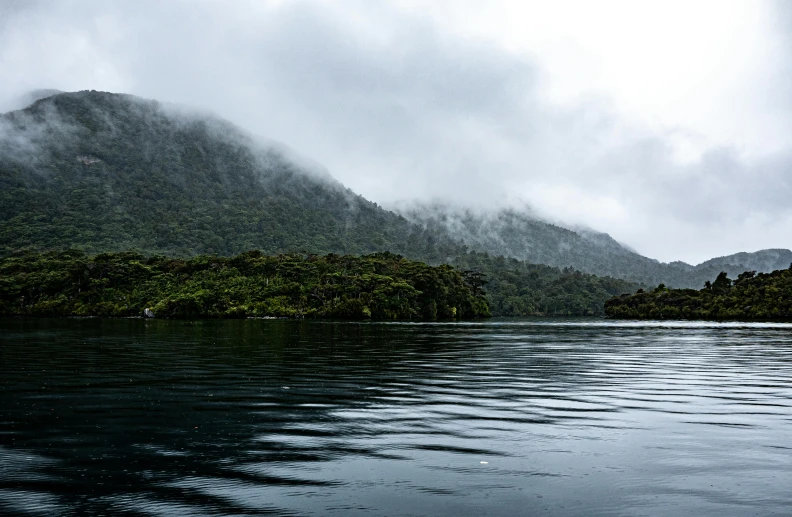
<point>523,235</point>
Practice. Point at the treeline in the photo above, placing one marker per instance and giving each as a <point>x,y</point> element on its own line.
<point>517,288</point>
<point>381,286</point>
<point>752,297</point>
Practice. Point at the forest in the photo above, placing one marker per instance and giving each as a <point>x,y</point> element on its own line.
<point>751,297</point>
<point>381,286</point>
<point>518,288</point>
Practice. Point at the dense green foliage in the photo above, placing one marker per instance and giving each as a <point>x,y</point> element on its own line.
<point>517,288</point>
<point>381,286</point>
<point>752,297</point>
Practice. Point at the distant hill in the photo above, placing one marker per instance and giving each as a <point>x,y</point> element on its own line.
<point>763,261</point>
<point>525,236</point>
<point>522,235</point>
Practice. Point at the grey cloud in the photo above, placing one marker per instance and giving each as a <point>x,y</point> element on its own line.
<point>396,108</point>
<point>22,135</point>
<point>781,85</point>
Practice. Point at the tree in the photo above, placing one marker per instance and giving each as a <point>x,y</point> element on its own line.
<point>722,284</point>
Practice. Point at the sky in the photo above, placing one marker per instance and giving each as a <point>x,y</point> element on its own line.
<point>667,124</point>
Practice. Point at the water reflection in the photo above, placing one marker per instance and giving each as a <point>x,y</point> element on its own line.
<point>133,417</point>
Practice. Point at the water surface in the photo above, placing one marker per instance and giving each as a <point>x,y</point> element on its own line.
<point>509,417</point>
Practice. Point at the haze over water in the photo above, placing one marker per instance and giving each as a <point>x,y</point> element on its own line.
<point>505,417</point>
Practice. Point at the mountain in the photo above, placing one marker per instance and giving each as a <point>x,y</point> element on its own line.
<point>523,235</point>
<point>104,172</point>
<point>764,261</point>
<point>108,172</point>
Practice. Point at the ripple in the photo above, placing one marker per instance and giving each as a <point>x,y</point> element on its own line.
<point>507,417</point>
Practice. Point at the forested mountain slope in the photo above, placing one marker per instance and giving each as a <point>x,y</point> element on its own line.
<point>523,235</point>
<point>107,172</point>
<point>764,261</point>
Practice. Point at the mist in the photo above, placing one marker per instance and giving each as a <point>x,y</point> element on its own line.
<point>399,105</point>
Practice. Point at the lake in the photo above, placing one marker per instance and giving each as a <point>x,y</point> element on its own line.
<point>503,417</point>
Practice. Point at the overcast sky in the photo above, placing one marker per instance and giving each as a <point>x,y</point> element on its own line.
<point>667,124</point>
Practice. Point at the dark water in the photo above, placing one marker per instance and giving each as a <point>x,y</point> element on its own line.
<point>132,417</point>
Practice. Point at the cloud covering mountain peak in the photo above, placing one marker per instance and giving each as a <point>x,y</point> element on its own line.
<point>399,104</point>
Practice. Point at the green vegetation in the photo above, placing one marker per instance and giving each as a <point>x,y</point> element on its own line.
<point>517,288</point>
<point>752,297</point>
<point>381,286</point>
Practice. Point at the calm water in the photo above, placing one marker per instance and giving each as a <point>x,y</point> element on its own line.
<point>512,417</point>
